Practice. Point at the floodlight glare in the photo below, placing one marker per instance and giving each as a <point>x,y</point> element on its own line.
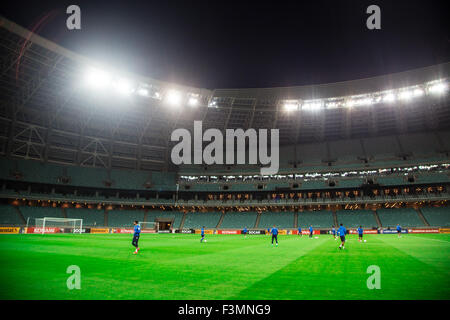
<point>142,92</point>
<point>193,101</point>
<point>123,86</point>
<point>363,102</point>
<point>350,103</point>
<point>312,105</point>
<point>438,88</point>
<point>405,95</point>
<point>290,106</point>
<point>97,78</point>
<point>390,97</point>
<point>418,92</point>
<point>173,97</point>
<point>332,105</point>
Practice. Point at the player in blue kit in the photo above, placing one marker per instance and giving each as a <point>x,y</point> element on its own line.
<point>333,232</point>
<point>399,231</point>
<point>300,232</point>
<point>342,232</point>
<point>136,235</point>
<point>274,233</point>
<point>310,231</point>
<point>360,233</point>
<point>245,231</point>
<point>203,234</point>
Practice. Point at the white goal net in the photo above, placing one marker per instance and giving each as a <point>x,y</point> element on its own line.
<point>76,225</point>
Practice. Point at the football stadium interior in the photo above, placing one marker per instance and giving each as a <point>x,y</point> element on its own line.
<point>79,140</point>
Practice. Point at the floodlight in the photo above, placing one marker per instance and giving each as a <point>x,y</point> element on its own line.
<point>363,102</point>
<point>350,103</point>
<point>173,97</point>
<point>405,95</point>
<point>193,101</point>
<point>290,106</point>
<point>332,105</point>
<point>142,92</point>
<point>438,88</point>
<point>157,95</point>
<point>97,78</point>
<point>418,92</point>
<point>123,86</point>
<point>313,105</point>
<point>390,97</point>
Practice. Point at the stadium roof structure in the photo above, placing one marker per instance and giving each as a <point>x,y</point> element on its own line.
<point>49,113</point>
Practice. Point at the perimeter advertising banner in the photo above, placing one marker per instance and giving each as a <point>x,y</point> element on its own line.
<point>229,232</point>
<point>393,231</point>
<point>99,230</point>
<point>75,230</point>
<point>9,230</point>
<point>305,232</point>
<point>128,230</point>
<point>186,231</point>
<point>444,230</point>
<point>370,231</point>
<point>206,231</point>
<point>256,232</point>
<point>40,230</point>
<point>423,230</point>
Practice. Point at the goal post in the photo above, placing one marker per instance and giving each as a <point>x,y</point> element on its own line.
<point>52,222</point>
<point>149,225</point>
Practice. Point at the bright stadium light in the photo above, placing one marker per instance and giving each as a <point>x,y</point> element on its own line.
<point>438,88</point>
<point>97,79</point>
<point>390,97</point>
<point>332,105</point>
<point>290,106</point>
<point>157,95</point>
<point>123,86</point>
<point>193,101</point>
<point>173,97</point>
<point>142,92</point>
<point>361,102</point>
<point>350,103</point>
<point>312,105</point>
<point>405,95</point>
<point>418,92</point>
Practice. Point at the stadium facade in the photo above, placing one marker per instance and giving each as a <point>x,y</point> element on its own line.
<point>371,152</point>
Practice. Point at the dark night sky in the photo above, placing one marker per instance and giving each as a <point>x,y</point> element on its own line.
<point>227,44</point>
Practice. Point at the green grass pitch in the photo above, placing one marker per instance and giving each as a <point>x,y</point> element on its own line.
<point>176,266</point>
